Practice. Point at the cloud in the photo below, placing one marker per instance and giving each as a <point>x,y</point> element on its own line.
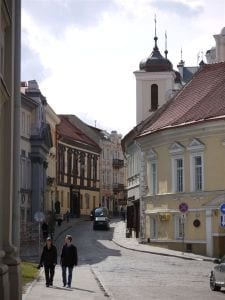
<point>55,15</point>
<point>183,8</point>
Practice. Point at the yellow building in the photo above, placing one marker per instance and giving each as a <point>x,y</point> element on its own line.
<point>50,197</point>
<point>183,175</point>
<point>77,170</point>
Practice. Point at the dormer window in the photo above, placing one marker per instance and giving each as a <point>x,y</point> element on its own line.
<point>154,97</point>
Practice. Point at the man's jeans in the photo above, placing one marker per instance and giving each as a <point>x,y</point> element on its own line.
<point>64,275</point>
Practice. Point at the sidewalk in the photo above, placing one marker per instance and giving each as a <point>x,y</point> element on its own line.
<point>119,238</point>
<point>84,286</point>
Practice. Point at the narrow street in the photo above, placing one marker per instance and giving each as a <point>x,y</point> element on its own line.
<point>127,274</point>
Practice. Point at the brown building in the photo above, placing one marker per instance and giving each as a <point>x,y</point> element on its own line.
<point>77,170</point>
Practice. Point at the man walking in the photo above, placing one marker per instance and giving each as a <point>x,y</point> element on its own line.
<point>49,260</point>
<point>68,260</point>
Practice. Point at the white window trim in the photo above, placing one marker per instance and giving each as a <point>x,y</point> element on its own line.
<point>152,159</point>
<point>174,177</point>
<point>192,171</point>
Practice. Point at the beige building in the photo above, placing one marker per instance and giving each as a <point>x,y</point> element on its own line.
<point>53,120</point>
<point>184,174</point>
<point>10,285</point>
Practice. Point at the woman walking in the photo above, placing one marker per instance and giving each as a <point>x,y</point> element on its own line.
<point>49,261</point>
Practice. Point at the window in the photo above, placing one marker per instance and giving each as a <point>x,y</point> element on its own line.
<point>153,176</point>
<point>68,199</point>
<point>179,175</point>
<point>62,200</point>
<point>153,228</point>
<point>196,147</point>
<point>154,97</point>
<point>87,200</point>
<point>179,227</point>
<point>198,173</point>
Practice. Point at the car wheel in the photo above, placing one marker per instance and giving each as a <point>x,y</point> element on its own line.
<point>213,285</point>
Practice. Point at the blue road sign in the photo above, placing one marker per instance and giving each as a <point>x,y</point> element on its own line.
<point>222,221</point>
<point>183,207</point>
<point>222,208</point>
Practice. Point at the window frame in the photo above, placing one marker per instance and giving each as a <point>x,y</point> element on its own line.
<point>174,174</point>
<point>193,171</point>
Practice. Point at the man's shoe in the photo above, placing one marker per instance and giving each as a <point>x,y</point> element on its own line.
<point>64,285</point>
<point>50,284</point>
<point>47,285</point>
<point>69,286</point>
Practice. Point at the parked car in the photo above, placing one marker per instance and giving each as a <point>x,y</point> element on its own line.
<point>101,218</point>
<point>217,277</point>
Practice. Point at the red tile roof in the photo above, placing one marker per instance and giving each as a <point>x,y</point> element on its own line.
<point>70,131</point>
<point>202,99</point>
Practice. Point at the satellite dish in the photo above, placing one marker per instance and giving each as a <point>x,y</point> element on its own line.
<point>39,216</point>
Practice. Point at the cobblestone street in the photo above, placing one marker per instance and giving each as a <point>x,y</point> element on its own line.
<point>127,274</point>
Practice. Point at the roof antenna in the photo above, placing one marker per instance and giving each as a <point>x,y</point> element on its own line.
<point>166,51</point>
<point>95,123</point>
<point>155,38</point>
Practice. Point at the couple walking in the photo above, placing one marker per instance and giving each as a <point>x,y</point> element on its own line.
<point>68,260</point>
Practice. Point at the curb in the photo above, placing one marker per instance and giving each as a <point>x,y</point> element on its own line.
<point>31,285</point>
<point>102,287</point>
<point>162,254</point>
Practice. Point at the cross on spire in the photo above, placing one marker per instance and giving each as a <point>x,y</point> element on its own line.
<point>155,38</point>
<point>166,51</point>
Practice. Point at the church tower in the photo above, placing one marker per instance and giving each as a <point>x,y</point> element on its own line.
<point>155,82</point>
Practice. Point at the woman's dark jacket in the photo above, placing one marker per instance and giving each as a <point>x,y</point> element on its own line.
<point>69,256</point>
<point>49,256</point>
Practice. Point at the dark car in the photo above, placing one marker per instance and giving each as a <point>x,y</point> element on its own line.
<point>101,218</point>
<point>217,277</point>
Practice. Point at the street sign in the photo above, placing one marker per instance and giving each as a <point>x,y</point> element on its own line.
<point>222,208</point>
<point>183,207</point>
<point>39,216</point>
<point>183,218</point>
<point>222,221</point>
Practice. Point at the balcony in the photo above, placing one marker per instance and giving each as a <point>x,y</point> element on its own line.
<point>118,187</point>
<point>118,163</point>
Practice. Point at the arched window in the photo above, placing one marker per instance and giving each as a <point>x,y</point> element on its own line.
<point>154,97</point>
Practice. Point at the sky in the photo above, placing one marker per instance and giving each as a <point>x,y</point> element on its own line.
<point>83,52</point>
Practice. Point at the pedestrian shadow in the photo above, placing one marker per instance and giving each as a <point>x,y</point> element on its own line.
<point>72,288</point>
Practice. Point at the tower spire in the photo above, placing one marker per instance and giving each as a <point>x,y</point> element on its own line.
<point>166,51</point>
<point>155,38</point>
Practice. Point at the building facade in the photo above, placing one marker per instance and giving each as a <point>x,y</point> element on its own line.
<point>53,120</point>
<point>156,83</point>
<point>77,170</point>
<point>184,176</point>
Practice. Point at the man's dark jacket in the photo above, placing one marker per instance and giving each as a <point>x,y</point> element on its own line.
<point>49,256</point>
<point>69,256</point>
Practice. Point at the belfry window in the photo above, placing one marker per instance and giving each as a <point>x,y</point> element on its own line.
<point>154,97</point>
